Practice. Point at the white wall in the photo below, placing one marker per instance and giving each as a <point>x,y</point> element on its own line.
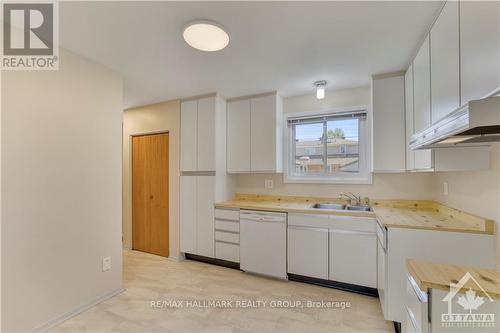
<point>385,186</point>
<point>160,117</point>
<point>61,190</point>
<point>475,192</point>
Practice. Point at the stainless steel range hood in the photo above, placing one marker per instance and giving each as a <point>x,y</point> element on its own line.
<point>476,123</point>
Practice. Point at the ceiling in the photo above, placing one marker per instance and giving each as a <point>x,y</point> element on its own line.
<point>283,46</point>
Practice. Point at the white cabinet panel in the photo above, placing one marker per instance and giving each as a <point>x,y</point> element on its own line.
<point>410,155</point>
<point>238,136</point>
<point>353,257</point>
<point>188,216</point>
<point>308,251</point>
<point>445,62</point>
<point>189,130</point>
<point>206,134</point>
<point>389,153</point>
<point>479,48</point>
<point>205,199</point>
<point>422,101</point>
<point>226,251</point>
<point>422,87</point>
<point>263,134</point>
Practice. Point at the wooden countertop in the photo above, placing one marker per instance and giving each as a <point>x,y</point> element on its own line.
<point>287,204</point>
<point>427,215</point>
<point>429,275</point>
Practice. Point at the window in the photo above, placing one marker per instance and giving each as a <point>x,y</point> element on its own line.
<point>332,147</point>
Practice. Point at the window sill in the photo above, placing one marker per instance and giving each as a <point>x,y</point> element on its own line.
<point>368,180</point>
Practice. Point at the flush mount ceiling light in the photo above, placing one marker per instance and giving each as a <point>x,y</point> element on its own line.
<point>205,35</point>
<point>320,89</point>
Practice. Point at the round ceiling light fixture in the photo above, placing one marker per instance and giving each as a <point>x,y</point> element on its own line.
<point>206,36</point>
<point>320,89</point>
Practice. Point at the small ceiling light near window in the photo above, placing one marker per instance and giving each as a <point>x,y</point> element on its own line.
<point>320,89</point>
<point>206,36</point>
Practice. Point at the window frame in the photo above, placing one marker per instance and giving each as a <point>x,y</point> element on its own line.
<point>364,176</point>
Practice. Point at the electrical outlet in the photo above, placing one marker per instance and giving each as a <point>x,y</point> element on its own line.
<point>106,264</point>
<point>445,188</point>
<point>269,183</point>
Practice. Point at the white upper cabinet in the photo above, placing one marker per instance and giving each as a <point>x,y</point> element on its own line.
<point>479,48</point>
<point>189,131</point>
<point>445,62</point>
<point>422,87</point>
<point>410,154</point>
<point>422,102</point>
<point>238,136</point>
<point>389,153</point>
<point>199,128</point>
<point>206,134</point>
<point>254,134</point>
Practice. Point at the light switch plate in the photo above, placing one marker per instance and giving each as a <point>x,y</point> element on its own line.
<point>446,190</point>
<point>269,183</point>
<point>106,264</point>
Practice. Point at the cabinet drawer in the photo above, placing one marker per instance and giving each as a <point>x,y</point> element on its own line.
<point>227,214</point>
<point>227,237</point>
<point>229,252</point>
<point>353,224</point>
<point>224,225</point>
<point>308,220</point>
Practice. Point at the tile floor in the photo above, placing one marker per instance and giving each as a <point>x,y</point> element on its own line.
<point>150,278</point>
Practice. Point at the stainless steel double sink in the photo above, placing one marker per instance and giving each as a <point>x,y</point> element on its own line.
<point>336,206</point>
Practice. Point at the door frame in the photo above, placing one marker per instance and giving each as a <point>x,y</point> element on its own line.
<point>130,178</point>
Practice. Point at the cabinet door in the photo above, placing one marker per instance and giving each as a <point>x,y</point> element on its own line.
<point>445,62</point>
<point>410,154</point>
<point>308,251</point>
<point>389,153</point>
<point>188,214</point>
<point>238,136</point>
<point>263,134</point>
<point>206,134</point>
<point>189,137</point>
<point>205,200</point>
<point>381,275</point>
<point>479,48</point>
<point>422,102</point>
<point>353,257</point>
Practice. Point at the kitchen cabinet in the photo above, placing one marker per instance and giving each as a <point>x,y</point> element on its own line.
<point>238,136</point>
<point>353,251</point>
<point>227,234</point>
<point>254,134</point>
<point>445,62</point>
<point>479,49</point>
<point>308,245</point>
<point>388,95</point>
<point>430,245</point>
<point>381,266</point>
<point>198,133</point>
<point>422,103</point>
<point>197,215</point>
<point>409,129</point>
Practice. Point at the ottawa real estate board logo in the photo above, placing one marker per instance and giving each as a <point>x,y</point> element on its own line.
<point>30,35</point>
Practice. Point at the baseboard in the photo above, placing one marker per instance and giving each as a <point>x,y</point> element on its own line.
<point>175,259</point>
<point>368,291</point>
<point>70,314</point>
<point>213,261</point>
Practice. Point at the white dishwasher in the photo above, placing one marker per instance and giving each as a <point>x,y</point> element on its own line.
<point>263,243</point>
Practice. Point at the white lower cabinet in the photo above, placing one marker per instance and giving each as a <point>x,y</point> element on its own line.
<point>308,251</point>
<point>341,249</point>
<point>227,234</point>
<point>353,252</point>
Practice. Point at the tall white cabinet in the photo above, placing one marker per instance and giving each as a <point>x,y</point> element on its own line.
<point>203,178</point>
<point>254,134</point>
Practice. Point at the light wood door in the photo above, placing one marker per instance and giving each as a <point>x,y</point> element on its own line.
<point>150,193</point>
<point>238,136</point>
<point>263,134</point>
<point>445,62</point>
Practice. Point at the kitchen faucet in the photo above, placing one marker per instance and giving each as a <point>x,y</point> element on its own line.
<point>354,199</point>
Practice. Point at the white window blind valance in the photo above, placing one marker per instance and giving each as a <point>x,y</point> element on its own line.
<point>360,114</point>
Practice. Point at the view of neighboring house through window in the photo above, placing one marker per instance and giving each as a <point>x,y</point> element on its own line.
<point>327,146</point>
